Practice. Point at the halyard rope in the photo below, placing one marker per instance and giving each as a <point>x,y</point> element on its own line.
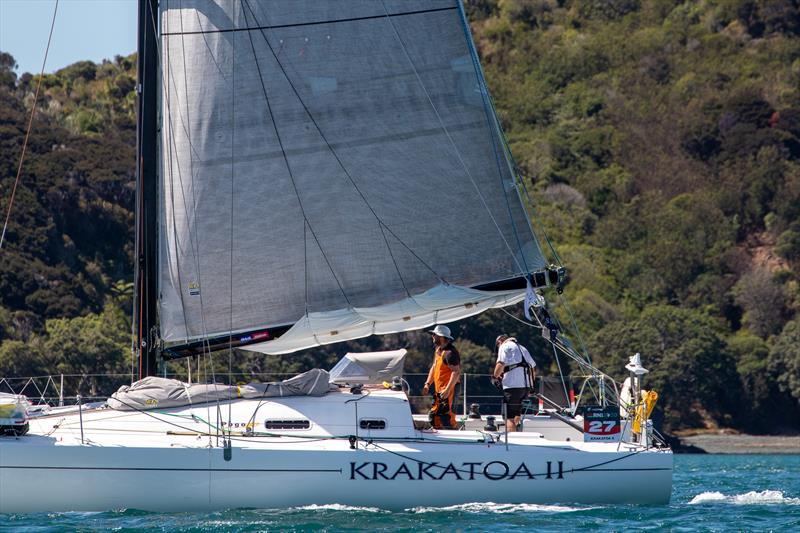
<point>30,125</point>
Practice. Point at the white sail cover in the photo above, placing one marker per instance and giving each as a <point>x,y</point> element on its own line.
<point>154,392</point>
<point>335,165</point>
<point>368,367</point>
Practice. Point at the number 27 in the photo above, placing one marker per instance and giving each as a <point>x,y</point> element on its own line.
<point>601,426</point>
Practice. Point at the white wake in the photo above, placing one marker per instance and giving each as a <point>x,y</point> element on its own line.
<point>764,497</point>
<point>340,507</point>
<point>500,508</point>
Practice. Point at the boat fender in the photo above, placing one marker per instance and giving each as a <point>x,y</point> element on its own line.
<point>645,409</point>
<point>227,450</point>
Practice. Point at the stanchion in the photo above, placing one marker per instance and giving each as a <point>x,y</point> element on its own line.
<point>80,414</point>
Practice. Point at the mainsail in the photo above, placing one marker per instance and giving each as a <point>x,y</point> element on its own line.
<point>336,167</point>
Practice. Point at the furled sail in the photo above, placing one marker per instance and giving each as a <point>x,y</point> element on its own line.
<point>332,165</point>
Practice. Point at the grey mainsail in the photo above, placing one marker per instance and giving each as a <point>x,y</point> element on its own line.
<point>332,165</point>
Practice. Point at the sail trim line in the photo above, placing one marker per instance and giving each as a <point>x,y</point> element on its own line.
<point>314,23</point>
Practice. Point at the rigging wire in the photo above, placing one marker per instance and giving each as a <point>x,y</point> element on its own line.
<point>173,146</point>
<point>560,372</point>
<point>491,119</point>
<point>286,157</point>
<point>232,210</point>
<point>367,441</point>
<point>450,139</point>
<point>563,345</point>
<point>381,224</point>
<point>30,127</point>
<point>516,173</point>
<point>574,325</point>
<point>194,245</point>
<point>205,355</point>
<point>332,150</point>
<point>521,182</point>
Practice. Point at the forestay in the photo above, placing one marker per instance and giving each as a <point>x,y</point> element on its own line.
<point>332,165</point>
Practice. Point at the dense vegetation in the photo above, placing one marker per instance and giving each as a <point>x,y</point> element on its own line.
<point>660,141</point>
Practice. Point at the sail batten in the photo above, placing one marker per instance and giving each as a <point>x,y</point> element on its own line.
<point>320,158</point>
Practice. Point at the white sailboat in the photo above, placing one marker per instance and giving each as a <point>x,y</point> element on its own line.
<point>314,172</point>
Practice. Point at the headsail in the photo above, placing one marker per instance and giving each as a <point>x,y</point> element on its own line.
<point>335,166</point>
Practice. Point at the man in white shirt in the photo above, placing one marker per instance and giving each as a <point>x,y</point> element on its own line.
<point>517,368</point>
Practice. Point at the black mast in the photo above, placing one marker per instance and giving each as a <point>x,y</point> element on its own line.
<point>145,278</point>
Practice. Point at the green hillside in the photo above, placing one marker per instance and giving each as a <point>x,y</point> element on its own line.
<point>660,143</point>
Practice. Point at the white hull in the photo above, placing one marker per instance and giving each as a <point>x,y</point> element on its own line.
<point>137,461</point>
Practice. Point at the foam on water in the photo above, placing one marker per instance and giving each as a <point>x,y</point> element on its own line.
<point>707,497</point>
<point>764,497</point>
<point>340,507</point>
<point>500,508</point>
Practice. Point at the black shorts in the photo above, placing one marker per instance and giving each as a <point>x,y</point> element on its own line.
<point>513,400</point>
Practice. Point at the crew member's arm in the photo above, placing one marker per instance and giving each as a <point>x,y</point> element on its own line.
<point>456,372</point>
<point>501,362</point>
<point>428,381</point>
<point>498,370</point>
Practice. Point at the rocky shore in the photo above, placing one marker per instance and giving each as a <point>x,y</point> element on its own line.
<point>720,442</point>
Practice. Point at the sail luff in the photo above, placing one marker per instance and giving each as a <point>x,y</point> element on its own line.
<point>495,120</point>
<point>449,137</point>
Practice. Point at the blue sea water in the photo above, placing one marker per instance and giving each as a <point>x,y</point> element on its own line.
<point>710,493</point>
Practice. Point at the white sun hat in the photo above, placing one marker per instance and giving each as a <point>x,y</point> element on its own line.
<point>442,331</point>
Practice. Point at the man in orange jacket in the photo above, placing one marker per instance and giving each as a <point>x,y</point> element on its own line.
<point>444,375</point>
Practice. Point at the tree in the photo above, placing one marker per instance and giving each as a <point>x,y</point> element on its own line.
<point>784,359</point>
<point>788,244</point>
<point>763,301</point>
<point>22,359</point>
<point>762,404</point>
<point>8,78</point>
<point>90,345</point>
<point>689,366</point>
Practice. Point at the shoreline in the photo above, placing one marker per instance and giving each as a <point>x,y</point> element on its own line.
<point>726,443</point>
